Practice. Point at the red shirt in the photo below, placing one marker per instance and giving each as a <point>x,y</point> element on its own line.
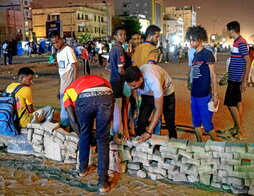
<point>84,54</point>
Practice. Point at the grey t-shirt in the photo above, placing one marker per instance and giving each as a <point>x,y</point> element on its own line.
<point>157,82</point>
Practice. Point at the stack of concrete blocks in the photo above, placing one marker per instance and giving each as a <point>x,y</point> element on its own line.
<point>215,164</point>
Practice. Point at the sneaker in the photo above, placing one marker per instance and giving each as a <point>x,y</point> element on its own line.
<point>104,189</point>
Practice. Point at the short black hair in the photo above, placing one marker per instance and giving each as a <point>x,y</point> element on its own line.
<point>132,73</point>
<point>234,25</point>
<point>135,33</point>
<point>54,34</point>
<point>151,30</point>
<point>117,29</point>
<point>196,33</point>
<point>25,71</point>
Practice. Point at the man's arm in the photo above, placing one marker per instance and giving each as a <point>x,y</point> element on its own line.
<point>73,118</point>
<point>188,78</point>
<point>214,84</point>
<point>125,106</point>
<point>246,73</point>
<point>158,102</point>
<point>30,108</point>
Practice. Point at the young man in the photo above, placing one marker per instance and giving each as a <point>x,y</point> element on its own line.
<point>67,68</point>
<point>147,52</point>
<point>203,78</point>
<point>87,98</point>
<point>24,100</point>
<point>157,91</point>
<point>118,62</point>
<point>238,72</point>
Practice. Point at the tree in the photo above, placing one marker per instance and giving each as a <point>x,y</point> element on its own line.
<point>85,37</point>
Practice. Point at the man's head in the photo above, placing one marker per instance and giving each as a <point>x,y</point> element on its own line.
<point>136,39</point>
<point>153,34</point>
<point>56,40</point>
<point>196,35</point>
<point>25,76</point>
<point>120,34</point>
<point>133,77</point>
<point>233,29</point>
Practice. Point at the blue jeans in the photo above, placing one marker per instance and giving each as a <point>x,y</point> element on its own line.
<point>87,109</point>
<point>65,122</point>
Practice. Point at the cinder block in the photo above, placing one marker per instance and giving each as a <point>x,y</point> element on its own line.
<point>236,147</point>
<point>167,149</point>
<point>237,191</point>
<point>188,155</point>
<point>143,147</point>
<point>205,179</point>
<point>251,190</point>
<point>37,137</point>
<point>60,133</point>
<point>142,155</point>
<point>195,147</point>
<point>170,176</point>
<point>38,148</point>
<point>159,177</point>
<point>151,150</point>
<point>142,174</point>
<point>70,144</point>
<point>53,150</point>
<point>180,178</point>
<point>39,131</point>
<point>166,165</point>
<point>233,180</point>
<point>210,161</point>
<point>34,126</point>
<point>226,187</point>
<point>184,166</point>
<point>70,161</point>
<point>132,172</point>
<point>58,140</point>
<point>159,140</point>
<point>175,170</point>
<point>191,161</point>
<point>249,182</point>
<point>133,166</point>
<point>152,176</point>
<point>244,168</point>
<point>39,155</point>
<point>192,179</point>
<point>192,171</point>
<point>175,157</point>
<point>200,155</point>
<point>215,146</point>
<point>126,154</point>
<point>145,162</point>
<point>222,155</point>
<point>205,169</point>
<point>35,141</point>
<point>178,143</point>
<point>244,156</point>
<point>250,148</point>
<point>30,134</point>
<point>230,161</point>
<point>49,126</point>
<point>228,168</point>
<point>216,185</point>
<point>128,143</point>
<point>216,178</point>
<point>156,156</point>
<point>72,137</point>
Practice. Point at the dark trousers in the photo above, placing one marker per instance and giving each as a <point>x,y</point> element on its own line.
<point>146,109</point>
<point>87,109</point>
<point>86,67</point>
<point>100,59</point>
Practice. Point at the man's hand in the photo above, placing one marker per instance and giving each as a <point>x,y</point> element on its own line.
<point>145,136</point>
<point>126,135</point>
<point>243,86</point>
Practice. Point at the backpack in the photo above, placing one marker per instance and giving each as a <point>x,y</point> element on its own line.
<point>9,121</point>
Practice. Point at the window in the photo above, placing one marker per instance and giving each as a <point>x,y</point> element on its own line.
<point>137,4</point>
<point>86,17</point>
<point>25,3</point>
<point>78,16</point>
<point>95,18</point>
<point>102,20</point>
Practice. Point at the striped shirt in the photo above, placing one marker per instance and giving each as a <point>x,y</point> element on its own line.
<point>237,63</point>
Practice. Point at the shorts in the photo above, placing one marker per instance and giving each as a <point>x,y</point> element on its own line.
<point>233,94</point>
<point>200,113</point>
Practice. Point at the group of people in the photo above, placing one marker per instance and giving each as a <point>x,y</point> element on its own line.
<point>136,82</point>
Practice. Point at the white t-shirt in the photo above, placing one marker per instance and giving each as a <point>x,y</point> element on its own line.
<point>100,46</point>
<point>157,82</point>
<point>65,58</point>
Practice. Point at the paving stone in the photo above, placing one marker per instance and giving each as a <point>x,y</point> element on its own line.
<point>37,137</point>
<point>222,155</point>
<point>53,150</point>
<point>216,185</point>
<point>205,179</point>
<point>244,156</point>
<point>216,178</point>
<point>200,155</point>
<point>210,162</point>
<point>166,165</point>
<point>167,149</point>
<point>35,141</point>
<point>39,131</point>
<point>151,150</point>
<point>157,170</point>
<point>49,126</point>
<point>250,148</point>
<point>60,133</point>
<point>159,140</point>
<point>205,169</point>
<point>236,147</point>
<point>191,161</point>
<point>192,171</point>
<point>142,174</point>
<point>192,179</point>
<point>143,147</point>
<point>228,168</point>
<point>180,178</point>
<point>195,147</point>
<point>156,156</point>
<point>188,155</point>
<point>135,153</point>
<point>215,146</point>
<point>70,144</point>
<point>145,162</point>
<point>239,191</point>
<point>184,166</point>
<point>34,126</point>
<point>72,137</point>
<point>175,157</point>
<point>230,161</point>
<point>178,143</point>
<point>233,180</point>
<point>134,166</point>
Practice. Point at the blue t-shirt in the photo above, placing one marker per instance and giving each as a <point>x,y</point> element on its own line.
<point>201,84</point>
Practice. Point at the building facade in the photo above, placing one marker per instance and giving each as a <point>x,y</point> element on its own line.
<point>173,31</point>
<point>76,20</point>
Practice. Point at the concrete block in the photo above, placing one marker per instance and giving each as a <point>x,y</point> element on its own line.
<point>216,178</point>
<point>152,176</point>
<point>151,150</point>
<point>191,161</point>
<point>145,162</point>
<point>58,140</point>
<point>184,166</point>
<point>244,168</point>
<point>236,147</point>
<point>216,185</point>
<point>210,161</point>
<point>70,155</point>
<point>233,180</point>
<point>195,147</point>
<point>134,166</point>
<point>34,126</point>
<point>114,146</point>
<point>170,176</point>
<point>215,146</point>
<point>251,190</point>
<point>192,179</point>
<point>70,144</point>
<point>37,137</point>
<point>134,141</point>
<point>166,165</point>
<point>205,169</point>
<point>143,147</point>
<point>70,161</point>
<point>167,149</point>
<point>157,170</point>
<point>135,153</point>
<point>222,155</point>
<point>175,157</point>
<point>250,148</point>
<point>39,155</point>
<point>230,161</point>
<point>126,154</point>
<point>24,130</point>
<point>72,137</point>
<point>49,126</point>
<point>188,155</point>
<point>180,178</point>
<point>30,134</point>
<point>205,179</point>
<point>226,187</point>
<point>175,170</point>
<point>128,143</point>
<point>156,156</point>
<point>38,148</point>
<point>159,140</point>
<point>249,182</point>
<point>60,133</point>
<point>192,171</point>
<point>39,131</point>
<point>237,191</point>
<point>228,168</point>
<point>142,174</point>
<point>35,141</point>
<point>200,155</point>
<point>53,150</point>
<point>132,172</point>
<point>178,143</point>
<point>244,156</point>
